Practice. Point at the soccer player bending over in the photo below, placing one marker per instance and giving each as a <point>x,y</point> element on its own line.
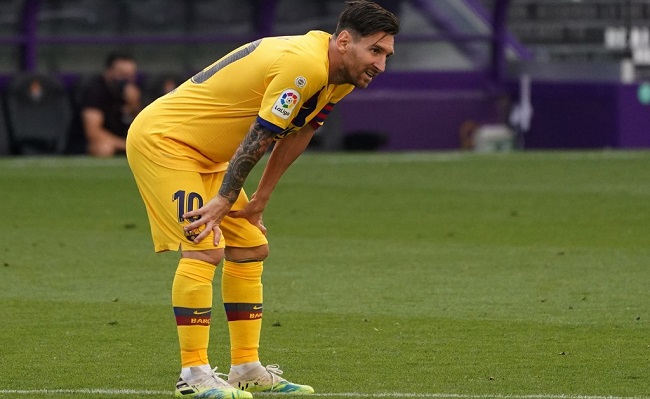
<point>190,152</point>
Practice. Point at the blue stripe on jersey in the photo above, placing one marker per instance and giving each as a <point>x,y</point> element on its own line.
<point>307,108</point>
<point>324,113</point>
<point>268,125</point>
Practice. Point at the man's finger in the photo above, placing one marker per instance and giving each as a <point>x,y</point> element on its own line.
<point>203,234</point>
<point>191,214</point>
<point>194,225</point>
<point>217,235</point>
<point>235,214</point>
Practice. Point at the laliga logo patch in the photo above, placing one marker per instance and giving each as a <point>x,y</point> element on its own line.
<point>286,103</point>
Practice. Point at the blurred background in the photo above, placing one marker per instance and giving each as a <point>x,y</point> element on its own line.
<point>474,75</point>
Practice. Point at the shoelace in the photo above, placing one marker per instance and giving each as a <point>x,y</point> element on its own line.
<point>274,370</point>
<point>212,380</point>
<point>220,375</point>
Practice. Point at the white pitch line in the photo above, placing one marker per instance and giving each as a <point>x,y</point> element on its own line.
<point>98,391</point>
<point>82,391</point>
<point>469,396</point>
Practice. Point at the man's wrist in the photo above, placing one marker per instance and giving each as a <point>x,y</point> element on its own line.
<point>229,195</point>
<point>262,197</point>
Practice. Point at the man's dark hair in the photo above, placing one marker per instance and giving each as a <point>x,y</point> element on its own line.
<point>117,56</point>
<point>365,18</point>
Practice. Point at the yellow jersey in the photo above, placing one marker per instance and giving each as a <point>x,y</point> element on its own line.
<point>280,82</point>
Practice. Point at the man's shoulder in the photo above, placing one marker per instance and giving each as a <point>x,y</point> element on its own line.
<point>311,43</point>
<point>307,53</point>
<point>314,41</point>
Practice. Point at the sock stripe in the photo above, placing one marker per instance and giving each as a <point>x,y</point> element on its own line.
<point>193,316</point>
<point>243,311</point>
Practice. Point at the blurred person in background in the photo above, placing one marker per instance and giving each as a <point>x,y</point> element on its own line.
<point>191,151</point>
<point>108,105</point>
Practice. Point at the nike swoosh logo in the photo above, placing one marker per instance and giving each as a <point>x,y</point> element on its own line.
<point>196,312</point>
<point>257,307</point>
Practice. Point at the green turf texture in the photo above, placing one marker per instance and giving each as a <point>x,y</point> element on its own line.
<point>404,274</point>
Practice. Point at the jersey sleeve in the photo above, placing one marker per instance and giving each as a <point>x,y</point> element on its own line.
<point>319,119</point>
<point>341,91</point>
<point>291,82</point>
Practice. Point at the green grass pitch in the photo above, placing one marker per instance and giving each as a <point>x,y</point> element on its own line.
<point>407,275</point>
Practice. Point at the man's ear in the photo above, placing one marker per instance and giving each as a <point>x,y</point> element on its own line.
<point>343,40</point>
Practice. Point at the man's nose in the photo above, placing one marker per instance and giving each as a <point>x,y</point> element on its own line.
<point>380,64</point>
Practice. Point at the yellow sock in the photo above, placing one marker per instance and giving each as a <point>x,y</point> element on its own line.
<point>192,301</point>
<point>241,289</point>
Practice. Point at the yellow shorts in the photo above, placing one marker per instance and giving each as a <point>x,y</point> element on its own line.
<point>169,193</point>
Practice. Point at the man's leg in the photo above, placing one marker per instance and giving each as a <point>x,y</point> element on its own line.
<point>241,288</point>
<point>192,302</point>
<point>167,194</point>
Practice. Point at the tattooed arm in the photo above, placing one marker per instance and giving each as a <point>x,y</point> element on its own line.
<point>250,151</point>
<point>284,153</point>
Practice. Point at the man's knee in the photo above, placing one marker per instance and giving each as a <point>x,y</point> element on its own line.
<point>237,254</point>
<point>212,256</point>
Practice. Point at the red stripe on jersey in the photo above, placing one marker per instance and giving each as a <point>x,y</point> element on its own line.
<point>322,115</point>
